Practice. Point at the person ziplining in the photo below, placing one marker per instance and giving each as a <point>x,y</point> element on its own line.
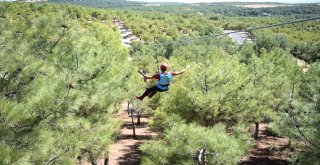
<point>164,78</point>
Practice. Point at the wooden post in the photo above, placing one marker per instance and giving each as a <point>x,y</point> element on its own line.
<point>133,127</point>
<point>256,132</point>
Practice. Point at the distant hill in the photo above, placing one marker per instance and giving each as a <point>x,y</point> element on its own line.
<point>101,3</point>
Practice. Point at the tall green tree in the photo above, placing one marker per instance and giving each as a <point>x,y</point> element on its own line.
<point>193,144</point>
<point>60,85</point>
<point>301,120</point>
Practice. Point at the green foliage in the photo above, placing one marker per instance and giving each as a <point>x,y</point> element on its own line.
<point>301,122</point>
<point>270,82</point>
<point>56,78</point>
<point>233,9</point>
<point>63,72</point>
<point>240,9</point>
<point>182,142</point>
<point>308,52</point>
<point>154,26</point>
<point>270,42</point>
<point>213,84</point>
<point>220,88</point>
<point>101,3</point>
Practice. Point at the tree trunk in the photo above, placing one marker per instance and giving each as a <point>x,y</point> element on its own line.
<point>205,80</point>
<point>51,160</point>
<point>128,108</point>
<point>77,60</point>
<point>133,127</point>
<point>92,159</point>
<point>138,116</point>
<point>256,132</point>
<point>202,160</point>
<point>94,162</point>
<point>289,143</point>
<point>106,161</point>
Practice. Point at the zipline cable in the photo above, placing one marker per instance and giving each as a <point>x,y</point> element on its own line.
<point>273,25</point>
<point>246,30</point>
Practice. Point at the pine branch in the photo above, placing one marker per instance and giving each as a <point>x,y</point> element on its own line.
<point>51,160</point>
<point>291,113</point>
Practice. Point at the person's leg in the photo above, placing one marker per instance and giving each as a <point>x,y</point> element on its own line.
<point>158,90</point>
<point>147,92</point>
<point>150,95</point>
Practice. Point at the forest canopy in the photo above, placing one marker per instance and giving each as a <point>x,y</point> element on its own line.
<point>64,73</point>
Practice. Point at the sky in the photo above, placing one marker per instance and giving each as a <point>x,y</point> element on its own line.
<point>196,1</point>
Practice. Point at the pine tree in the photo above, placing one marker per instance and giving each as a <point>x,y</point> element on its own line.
<point>301,120</point>
<point>60,84</point>
<point>182,144</point>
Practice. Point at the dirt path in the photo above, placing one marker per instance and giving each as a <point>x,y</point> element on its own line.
<point>269,149</point>
<point>304,65</point>
<point>125,151</point>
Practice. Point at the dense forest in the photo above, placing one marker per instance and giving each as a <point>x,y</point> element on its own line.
<point>102,3</point>
<point>57,66</point>
<point>227,9</point>
<point>302,40</point>
<point>64,74</point>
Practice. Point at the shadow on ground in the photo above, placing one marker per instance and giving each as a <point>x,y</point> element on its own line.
<point>132,156</point>
<point>264,161</point>
<point>269,149</point>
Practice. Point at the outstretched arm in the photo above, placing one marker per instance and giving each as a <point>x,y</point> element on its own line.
<point>186,68</point>
<point>144,75</point>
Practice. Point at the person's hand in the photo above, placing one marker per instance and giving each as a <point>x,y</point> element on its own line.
<point>187,67</point>
<point>142,74</point>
